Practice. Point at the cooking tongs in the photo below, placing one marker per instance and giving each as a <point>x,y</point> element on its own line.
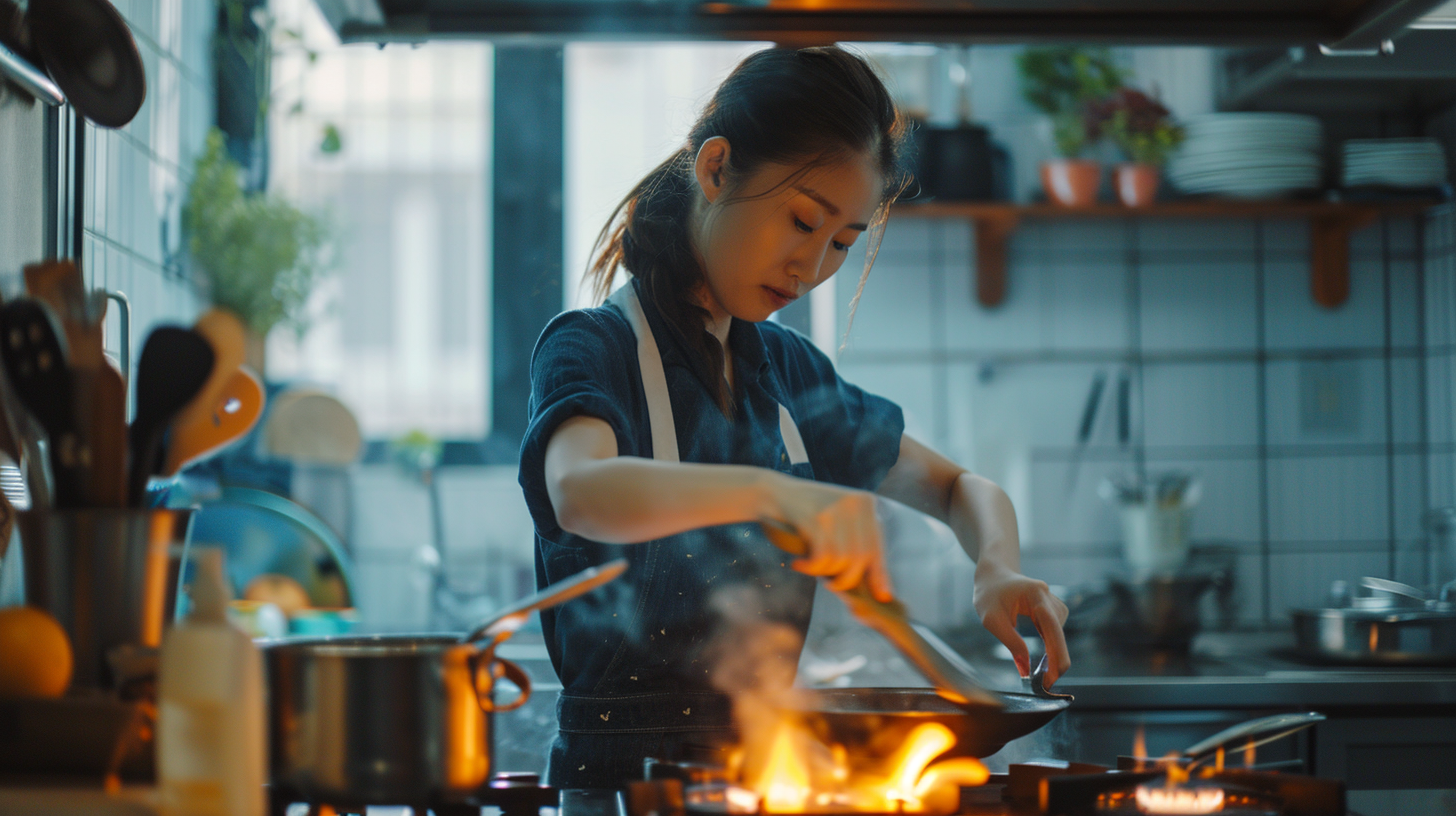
<point>953,679</point>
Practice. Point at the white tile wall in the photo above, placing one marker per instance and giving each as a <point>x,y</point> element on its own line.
<point>1085,305</point>
<point>1222,317</point>
<point>1193,404</point>
<point>1328,499</point>
<point>136,176</point>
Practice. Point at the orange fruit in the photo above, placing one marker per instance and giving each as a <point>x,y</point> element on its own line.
<point>288,594</point>
<point>35,654</point>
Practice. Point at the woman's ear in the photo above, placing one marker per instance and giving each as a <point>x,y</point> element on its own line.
<point>709,167</point>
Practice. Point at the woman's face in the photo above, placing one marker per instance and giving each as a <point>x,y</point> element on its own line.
<point>764,242</point>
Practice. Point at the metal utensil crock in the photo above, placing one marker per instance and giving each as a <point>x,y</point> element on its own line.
<point>103,574</point>
<point>389,718</point>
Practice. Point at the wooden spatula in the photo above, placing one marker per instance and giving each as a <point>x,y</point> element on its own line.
<point>234,412</point>
<point>951,681</point>
<point>225,333</point>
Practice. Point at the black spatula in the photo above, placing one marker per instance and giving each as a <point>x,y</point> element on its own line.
<point>35,362</point>
<point>174,365</point>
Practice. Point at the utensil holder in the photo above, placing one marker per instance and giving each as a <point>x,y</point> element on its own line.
<point>1154,537</point>
<point>103,573</point>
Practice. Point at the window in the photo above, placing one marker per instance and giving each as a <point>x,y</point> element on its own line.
<point>394,144</point>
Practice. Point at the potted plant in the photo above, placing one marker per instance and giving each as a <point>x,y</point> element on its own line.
<point>1145,132</point>
<point>1062,82</point>
<point>259,256</point>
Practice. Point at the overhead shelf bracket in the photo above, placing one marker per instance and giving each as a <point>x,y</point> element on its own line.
<point>1330,226</point>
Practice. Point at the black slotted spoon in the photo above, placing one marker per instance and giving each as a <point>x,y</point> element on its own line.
<point>173,367</point>
<point>34,354</point>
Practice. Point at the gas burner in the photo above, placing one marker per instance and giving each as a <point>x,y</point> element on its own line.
<point>1040,787</point>
<point>516,794</point>
<point>1053,787</point>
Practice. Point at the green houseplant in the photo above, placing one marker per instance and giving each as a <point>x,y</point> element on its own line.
<point>257,254</point>
<point>1144,130</point>
<point>1063,82</point>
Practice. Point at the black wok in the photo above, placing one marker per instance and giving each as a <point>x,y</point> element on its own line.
<point>874,722</point>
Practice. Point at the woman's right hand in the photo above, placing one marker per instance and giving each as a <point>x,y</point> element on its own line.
<point>846,543</point>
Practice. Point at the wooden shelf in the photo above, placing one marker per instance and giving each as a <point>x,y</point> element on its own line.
<point>1330,226</point>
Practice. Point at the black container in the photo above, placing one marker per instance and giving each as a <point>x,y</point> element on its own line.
<point>958,164</point>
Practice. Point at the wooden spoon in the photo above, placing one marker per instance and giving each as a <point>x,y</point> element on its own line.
<point>225,333</point>
<point>234,412</point>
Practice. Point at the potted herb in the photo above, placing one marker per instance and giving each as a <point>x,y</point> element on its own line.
<point>1144,130</point>
<point>1063,82</point>
<point>259,256</point>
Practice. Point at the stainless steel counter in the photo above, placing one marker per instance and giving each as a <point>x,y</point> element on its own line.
<point>1248,670</point>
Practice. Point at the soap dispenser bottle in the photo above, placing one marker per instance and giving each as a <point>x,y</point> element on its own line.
<point>211,727</point>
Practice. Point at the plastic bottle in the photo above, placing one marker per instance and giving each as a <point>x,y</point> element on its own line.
<point>211,746</point>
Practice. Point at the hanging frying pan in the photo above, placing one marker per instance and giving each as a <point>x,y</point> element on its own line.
<point>90,53</point>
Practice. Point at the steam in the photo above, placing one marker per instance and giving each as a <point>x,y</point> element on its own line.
<point>754,662</point>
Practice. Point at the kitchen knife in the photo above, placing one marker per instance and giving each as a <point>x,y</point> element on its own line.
<point>951,679</point>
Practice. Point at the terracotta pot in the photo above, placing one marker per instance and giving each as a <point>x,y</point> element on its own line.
<point>1137,184</point>
<point>1071,182</point>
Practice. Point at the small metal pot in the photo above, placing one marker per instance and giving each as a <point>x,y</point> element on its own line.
<point>390,718</point>
<point>1386,636</point>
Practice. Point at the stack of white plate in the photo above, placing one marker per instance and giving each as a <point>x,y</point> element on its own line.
<point>1249,155</point>
<point>1394,163</point>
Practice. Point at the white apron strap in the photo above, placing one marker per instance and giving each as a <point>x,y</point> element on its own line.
<point>654,379</point>
<point>654,384</point>
<point>793,443</point>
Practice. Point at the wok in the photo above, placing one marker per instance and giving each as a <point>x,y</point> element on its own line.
<point>876,721</point>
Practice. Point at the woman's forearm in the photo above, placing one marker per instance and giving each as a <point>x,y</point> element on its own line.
<point>628,499</point>
<point>984,522</point>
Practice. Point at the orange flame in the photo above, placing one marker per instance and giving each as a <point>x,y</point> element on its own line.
<point>1139,746</point>
<point>1249,754</point>
<point>798,774</point>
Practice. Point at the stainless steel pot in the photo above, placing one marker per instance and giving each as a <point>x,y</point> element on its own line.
<point>1395,624</point>
<point>396,719</point>
<point>390,718</point>
<point>1347,635</point>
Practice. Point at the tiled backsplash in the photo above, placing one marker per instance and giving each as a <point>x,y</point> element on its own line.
<point>136,177</point>
<point>1318,440</point>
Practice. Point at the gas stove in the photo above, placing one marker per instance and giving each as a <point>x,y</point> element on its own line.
<point>514,794</point>
<point>1046,787</point>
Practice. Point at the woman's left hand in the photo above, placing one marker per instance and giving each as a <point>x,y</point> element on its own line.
<point>1002,595</point>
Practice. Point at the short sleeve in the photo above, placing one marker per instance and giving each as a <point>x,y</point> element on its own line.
<point>577,369</point>
<point>852,436</point>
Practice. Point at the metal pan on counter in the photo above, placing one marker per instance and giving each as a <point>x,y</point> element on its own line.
<point>1395,625</point>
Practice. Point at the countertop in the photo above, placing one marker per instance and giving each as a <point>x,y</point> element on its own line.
<point>1247,670</point>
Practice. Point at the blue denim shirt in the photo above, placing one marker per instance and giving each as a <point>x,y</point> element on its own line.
<point>650,633</point>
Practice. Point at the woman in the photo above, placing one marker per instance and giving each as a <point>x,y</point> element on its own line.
<point>667,422</point>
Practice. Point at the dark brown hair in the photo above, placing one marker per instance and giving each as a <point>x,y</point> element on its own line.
<point>810,107</point>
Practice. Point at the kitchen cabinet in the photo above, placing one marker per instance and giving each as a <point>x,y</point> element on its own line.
<point>1330,226</point>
